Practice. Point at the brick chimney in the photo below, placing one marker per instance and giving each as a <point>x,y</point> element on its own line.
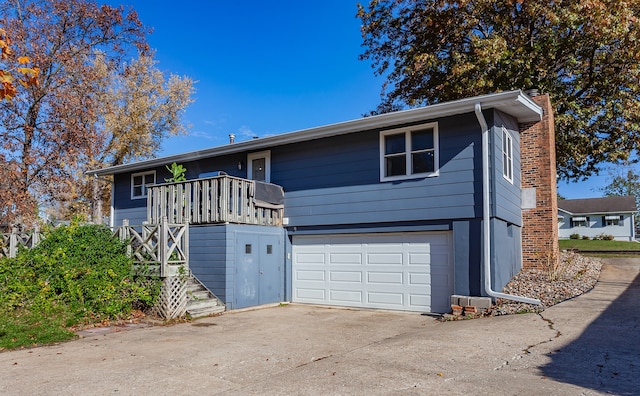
<point>540,216</point>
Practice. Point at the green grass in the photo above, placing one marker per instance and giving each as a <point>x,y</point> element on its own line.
<point>583,244</point>
<point>24,328</point>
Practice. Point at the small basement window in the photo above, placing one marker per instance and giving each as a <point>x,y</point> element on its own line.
<point>409,153</point>
<point>140,182</point>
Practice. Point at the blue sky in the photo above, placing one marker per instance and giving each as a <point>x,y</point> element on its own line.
<point>264,68</point>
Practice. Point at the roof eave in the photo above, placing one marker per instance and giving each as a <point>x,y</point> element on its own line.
<point>515,103</point>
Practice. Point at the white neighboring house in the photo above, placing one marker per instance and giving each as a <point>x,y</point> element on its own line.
<point>593,217</point>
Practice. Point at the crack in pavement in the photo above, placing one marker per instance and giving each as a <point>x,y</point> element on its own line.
<point>550,324</point>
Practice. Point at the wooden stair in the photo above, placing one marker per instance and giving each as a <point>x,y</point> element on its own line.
<point>201,302</point>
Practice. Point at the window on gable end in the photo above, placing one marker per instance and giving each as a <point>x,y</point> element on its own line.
<point>408,153</point>
<point>507,155</point>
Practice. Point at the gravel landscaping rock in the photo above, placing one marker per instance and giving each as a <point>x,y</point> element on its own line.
<point>575,275</point>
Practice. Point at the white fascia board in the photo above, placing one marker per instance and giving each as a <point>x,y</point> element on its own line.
<point>615,212</point>
<point>515,103</point>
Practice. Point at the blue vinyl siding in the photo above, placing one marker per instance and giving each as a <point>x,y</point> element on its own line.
<point>467,254</point>
<point>506,245</point>
<point>506,199</point>
<point>228,164</point>
<point>208,257</point>
<point>136,216</point>
<point>337,180</point>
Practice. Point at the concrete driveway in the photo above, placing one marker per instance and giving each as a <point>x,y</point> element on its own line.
<point>589,345</point>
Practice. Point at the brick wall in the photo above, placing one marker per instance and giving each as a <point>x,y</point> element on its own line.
<point>538,158</point>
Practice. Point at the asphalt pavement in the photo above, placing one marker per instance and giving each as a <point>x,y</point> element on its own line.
<point>585,346</point>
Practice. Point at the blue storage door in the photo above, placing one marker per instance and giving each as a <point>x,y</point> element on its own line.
<point>247,271</point>
<point>270,274</point>
<point>259,274</point>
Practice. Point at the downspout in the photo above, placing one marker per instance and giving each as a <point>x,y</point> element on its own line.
<point>486,217</point>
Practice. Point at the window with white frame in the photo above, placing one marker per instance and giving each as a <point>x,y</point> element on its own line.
<point>507,155</point>
<point>580,221</point>
<point>140,182</point>
<point>613,220</point>
<point>408,153</point>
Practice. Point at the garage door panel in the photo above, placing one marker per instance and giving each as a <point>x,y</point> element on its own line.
<point>348,296</point>
<point>405,271</point>
<point>419,301</point>
<point>394,299</point>
<point>384,259</point>
<point>310,275</point>
<point>419,278</point>
<point>317,295</point>
<point>384,277</point>
<point>346,276</point>
<point>345,258</point>
<point>310,258</point>
<point>419,259</point>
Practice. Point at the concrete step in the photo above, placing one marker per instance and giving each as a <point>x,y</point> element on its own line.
<point>198,295</point>
<point>198,309</point>
<point>201,301</point>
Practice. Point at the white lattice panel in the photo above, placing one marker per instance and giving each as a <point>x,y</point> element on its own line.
<point>172,302</point>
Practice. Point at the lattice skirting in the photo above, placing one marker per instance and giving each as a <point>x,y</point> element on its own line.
<point>172,302</point>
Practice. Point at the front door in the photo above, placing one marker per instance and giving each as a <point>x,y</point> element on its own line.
<point>259,166</point>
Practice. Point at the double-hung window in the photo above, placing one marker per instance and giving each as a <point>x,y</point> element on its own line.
<point>613,220</point>
<point>140,182</point>
<point>507,155</point>
<point>580,221</point>
<point>409,153</point>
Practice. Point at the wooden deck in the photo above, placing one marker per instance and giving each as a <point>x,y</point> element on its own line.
<point>220,199</point>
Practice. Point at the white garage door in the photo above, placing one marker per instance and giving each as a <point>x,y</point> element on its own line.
<point>409,271</point>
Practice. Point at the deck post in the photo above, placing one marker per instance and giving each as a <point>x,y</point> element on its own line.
<point>13,242</point>
<point>163,246</point>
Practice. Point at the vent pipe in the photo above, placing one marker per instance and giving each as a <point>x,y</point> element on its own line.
<point>232,138</point>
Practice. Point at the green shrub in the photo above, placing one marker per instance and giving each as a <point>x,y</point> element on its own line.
<point>585,237</point>
<point>78,274</point>
<point>604,237</point>
<point>574,236</point>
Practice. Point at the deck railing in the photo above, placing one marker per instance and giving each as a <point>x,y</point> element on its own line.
<point>11,242</point>
<point>220,199</point>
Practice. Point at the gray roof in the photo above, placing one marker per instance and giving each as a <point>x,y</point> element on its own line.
<point>598,205</point>
<point>515,103</point>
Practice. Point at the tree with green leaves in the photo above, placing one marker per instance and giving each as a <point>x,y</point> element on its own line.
<point>584,53</point>
<point>624,182</point>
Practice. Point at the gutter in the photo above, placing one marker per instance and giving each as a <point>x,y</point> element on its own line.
<point>514,103</point>
<point>486,216</point>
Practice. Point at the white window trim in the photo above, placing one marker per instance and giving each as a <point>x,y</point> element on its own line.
<point>407,135</point>
<point>144,190</point>
<point>507,169</point>
<point>267,164</point>
<point>580,222</point>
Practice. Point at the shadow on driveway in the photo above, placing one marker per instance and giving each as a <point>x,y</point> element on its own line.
<point>606,355</point>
